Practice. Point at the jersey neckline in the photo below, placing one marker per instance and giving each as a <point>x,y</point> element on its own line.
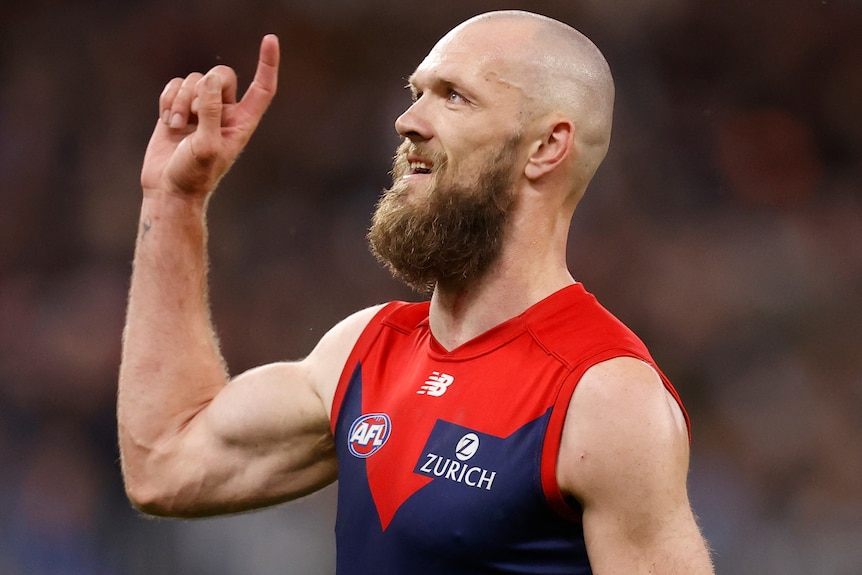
<point>502,333</point>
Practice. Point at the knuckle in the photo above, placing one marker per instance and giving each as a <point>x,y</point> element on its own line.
<point>225,72</point>
<point>187,85</point>
<point>204,151</point>
<point>169,92</point>
<point>210,108</point>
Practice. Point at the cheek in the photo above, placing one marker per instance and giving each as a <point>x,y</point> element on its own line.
<point>468,166</point>
<point>460,162</point>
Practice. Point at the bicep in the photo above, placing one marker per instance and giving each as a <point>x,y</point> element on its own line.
<point>265,438</point>
<point>262,440</point>
<point>625,456</point>
<point>274,423</point>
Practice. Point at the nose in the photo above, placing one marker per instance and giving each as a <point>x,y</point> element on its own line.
<point>413,124</point>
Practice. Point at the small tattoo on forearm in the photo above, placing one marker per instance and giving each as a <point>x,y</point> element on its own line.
<point>145,226</point>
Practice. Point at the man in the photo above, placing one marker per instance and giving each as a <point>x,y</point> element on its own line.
<point>509,425</point>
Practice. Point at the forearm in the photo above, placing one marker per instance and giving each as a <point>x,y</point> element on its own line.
<point>171,366</point>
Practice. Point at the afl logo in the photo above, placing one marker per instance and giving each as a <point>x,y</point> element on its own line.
<point>368,434</point>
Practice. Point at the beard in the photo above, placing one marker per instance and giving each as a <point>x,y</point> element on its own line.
<point>449,234</point>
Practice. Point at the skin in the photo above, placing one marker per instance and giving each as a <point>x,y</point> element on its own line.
<point>195,442</point>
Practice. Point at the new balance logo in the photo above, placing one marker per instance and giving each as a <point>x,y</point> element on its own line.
<point>436,384</point>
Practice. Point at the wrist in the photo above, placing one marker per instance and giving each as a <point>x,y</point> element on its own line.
<point>161,203</point>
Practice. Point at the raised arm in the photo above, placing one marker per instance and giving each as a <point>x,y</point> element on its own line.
<point>625,456</point>
<point>192,443</point>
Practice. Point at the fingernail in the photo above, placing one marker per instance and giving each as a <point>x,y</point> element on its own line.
<point>213,84</point>
<point>176,120</point>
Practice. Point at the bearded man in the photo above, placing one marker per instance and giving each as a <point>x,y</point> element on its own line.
<point>510,424</point>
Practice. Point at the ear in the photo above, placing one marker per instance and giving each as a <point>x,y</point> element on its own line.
<point>552,150</point>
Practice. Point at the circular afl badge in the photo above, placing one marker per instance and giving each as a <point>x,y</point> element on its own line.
<point>368,434</point>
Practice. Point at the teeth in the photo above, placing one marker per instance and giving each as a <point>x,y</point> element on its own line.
<point>416,166</point>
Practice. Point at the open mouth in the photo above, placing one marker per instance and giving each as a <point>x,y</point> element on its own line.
<point>420,168</point>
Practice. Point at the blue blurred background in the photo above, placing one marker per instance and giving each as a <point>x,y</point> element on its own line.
<point>725,227</point>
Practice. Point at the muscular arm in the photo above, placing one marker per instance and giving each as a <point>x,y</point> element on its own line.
<point>193,443</point>
<point>625,457</point>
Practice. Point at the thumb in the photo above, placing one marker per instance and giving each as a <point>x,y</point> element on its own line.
<point>206,140</point>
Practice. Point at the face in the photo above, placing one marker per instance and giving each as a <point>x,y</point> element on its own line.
<point>454,176</point>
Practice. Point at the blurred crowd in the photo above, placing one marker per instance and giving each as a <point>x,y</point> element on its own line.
<point>725,227</point>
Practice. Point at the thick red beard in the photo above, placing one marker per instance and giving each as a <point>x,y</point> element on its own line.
<point>450,234</point>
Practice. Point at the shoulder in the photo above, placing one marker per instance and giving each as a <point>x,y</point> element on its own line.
<point>624,457</point>
<point>622,423</point>
<point>324,364</point>
<point>347,331</point>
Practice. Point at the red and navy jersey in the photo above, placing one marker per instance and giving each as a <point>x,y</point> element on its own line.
<point>447,459</point>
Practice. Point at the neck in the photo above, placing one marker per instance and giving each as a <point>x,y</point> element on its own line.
<point>525,273</point>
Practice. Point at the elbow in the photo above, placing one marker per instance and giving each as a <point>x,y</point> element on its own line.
<point>150,498</point>
<point>163,494</point>
<point>143,489</point>
<point>155,500</point>
<point>151,490</point>
<point>150,477</point>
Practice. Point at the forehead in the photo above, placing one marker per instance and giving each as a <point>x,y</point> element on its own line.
<point>476,54</point>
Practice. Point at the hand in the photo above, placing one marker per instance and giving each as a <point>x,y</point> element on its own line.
<point>188,159</point>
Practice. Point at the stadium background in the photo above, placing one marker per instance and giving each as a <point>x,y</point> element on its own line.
<point>725,227</point>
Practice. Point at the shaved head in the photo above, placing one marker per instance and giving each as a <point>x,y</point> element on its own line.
<point>559,71</point>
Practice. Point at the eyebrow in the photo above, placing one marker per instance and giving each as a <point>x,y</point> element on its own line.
<point>436,80</point>
<point>411,82</point>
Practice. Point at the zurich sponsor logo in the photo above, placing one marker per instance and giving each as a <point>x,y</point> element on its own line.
<point>368,434</point>
<point>467,447</point>
<point>443,467</point>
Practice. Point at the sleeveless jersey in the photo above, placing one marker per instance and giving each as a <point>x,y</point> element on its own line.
<point>447,459</point>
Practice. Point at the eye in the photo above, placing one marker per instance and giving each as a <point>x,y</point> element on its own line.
<point>455,98</point>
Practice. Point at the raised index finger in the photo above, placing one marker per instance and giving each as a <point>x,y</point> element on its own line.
<point>262,88</point>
